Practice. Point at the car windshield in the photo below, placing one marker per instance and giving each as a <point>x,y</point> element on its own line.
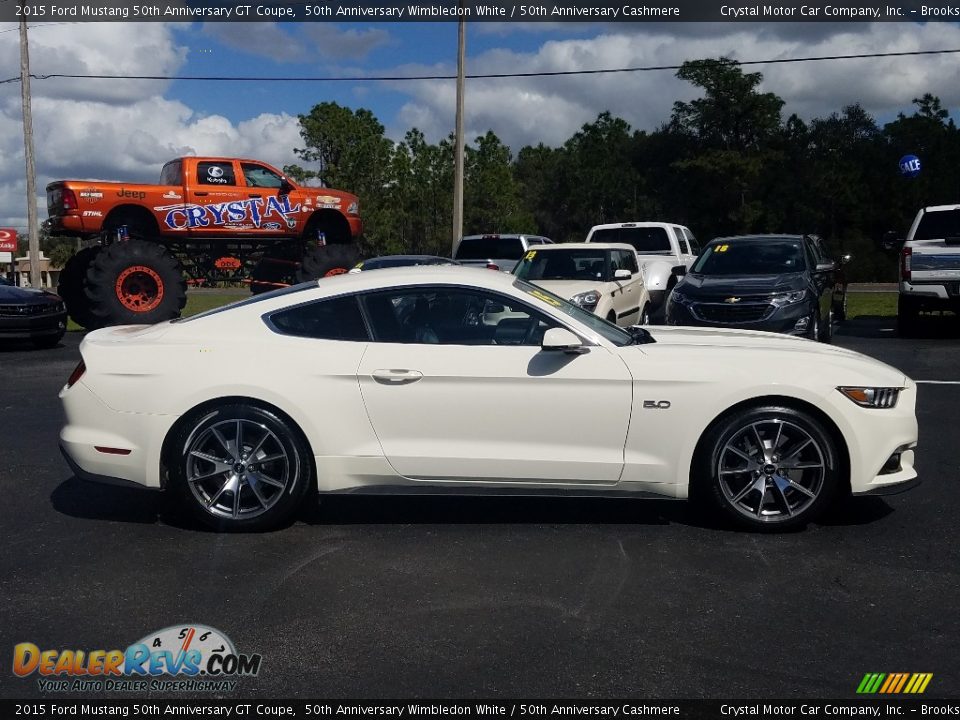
<point>751,257</point>
<point>938,224</point>
<point>646,240</point>
<point>579,264</point>
<point>608,330</point>
<point>486,248</point>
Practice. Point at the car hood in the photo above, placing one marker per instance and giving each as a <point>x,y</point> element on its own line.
<point>785,350</point>
<point>568,288</point>
<point>695,284</point>
<point>10,295</point>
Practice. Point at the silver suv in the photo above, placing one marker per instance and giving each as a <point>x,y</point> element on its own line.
<point>496,252</point>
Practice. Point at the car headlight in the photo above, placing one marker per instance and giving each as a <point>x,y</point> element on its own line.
<point>872,397</point>
<point>587,300</point>
<point>788,298</point>
<point>679,298</point>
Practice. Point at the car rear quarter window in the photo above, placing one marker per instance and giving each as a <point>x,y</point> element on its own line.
<point>171,173</point>
<point>215,173</point>
<point>334,319</point>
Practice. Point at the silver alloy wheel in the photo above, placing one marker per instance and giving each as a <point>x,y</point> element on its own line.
<point>237,469</point>
<point>771,470</point>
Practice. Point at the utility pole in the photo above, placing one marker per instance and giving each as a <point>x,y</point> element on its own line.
<point>32,229</point>
<point>458,145</point>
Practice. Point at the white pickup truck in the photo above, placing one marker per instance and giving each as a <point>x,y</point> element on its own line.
<point>929,265</point>
<point>660,248</point>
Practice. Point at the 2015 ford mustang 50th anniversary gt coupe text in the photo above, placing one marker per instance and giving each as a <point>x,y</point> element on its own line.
<point>459,380</point>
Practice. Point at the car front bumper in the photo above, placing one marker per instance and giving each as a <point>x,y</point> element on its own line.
<point>27,327</point>
<point>788,320</point>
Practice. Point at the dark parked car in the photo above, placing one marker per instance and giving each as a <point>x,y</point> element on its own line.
<point>779,283</point>
<point>28,314</point>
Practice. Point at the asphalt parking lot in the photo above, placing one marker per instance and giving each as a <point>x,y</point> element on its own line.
<point>461,597</point>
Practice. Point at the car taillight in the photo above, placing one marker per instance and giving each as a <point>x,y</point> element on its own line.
<point>77,373</point>
<point>906,256</point>
<point>69,199</point>
<point>492,266</point>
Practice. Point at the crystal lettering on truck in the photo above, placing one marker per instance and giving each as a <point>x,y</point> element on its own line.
<point>188,216</point>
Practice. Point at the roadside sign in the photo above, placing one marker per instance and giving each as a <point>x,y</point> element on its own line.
<point>6,257</point>
<point>8,240</point>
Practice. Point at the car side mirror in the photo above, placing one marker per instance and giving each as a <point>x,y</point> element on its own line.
<point>890,242</point>
<point>827,266</point>
<point>285,187</point>
<point>679,270</point>
<point>622,274</point>
<point>562,340</point>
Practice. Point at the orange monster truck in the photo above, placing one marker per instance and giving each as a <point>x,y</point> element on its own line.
<point>210,219</point>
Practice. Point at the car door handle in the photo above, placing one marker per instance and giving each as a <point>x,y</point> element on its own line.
<point>396,377</point>
<point>201,194</point>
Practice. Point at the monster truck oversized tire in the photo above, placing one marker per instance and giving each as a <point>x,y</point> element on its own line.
<point>327,260</point>
<point>134,283</point>
<point>72,280</point>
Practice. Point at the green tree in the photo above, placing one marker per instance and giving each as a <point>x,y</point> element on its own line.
<point>491,193</point>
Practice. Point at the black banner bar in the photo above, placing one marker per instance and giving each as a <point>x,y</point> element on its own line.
<point>518,709</point>
<point>495,11</point>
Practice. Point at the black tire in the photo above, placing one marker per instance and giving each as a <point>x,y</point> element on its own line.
<point>274,270</point>
<point>73,279</point>
<point>720,489</point>
<point>644,318</point>
<point>209,497</point>
<point>327,260</point>
<point>814,332</point>
<point>840,311</point>
<point>612,317</point>
<point>908,317</point>
<point>48,341</point>
<point>826,330</point>
<point>133,283</point>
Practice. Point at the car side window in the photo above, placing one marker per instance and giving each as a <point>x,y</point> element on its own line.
<point>628,261</point>
<point>452,316</point>
<point>333,319</point>
<point>215,173</point>
<point>259,176</point>
<point>694,245</point>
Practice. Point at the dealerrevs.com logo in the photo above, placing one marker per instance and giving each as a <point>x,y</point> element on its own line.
<point>187,658</point>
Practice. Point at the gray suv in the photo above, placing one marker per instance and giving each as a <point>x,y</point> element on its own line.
<point>496,252</point>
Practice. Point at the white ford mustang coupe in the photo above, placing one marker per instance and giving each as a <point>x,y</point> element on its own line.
<point>440,380</point>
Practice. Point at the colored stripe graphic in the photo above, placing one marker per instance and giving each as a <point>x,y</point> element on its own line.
<point>894,683</point>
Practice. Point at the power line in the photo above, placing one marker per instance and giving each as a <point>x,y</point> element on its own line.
<point>484,76</point>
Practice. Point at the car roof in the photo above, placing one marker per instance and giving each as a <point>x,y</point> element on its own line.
<point>585,246</point>
<point>758,238</point>
<point>416,275</point>
<point>941,208</point>
<point>409,257</point>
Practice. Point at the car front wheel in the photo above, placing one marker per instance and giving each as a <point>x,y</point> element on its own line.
<point>767,468</point>
<point>240,468</point>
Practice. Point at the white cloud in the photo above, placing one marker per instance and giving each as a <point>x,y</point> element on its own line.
<point>550,109</point>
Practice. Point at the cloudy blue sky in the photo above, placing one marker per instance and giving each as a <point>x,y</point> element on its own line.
<point>126,129</point>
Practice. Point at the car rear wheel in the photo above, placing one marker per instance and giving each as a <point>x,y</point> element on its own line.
<point>767,468</point>
<point>135,282</point>
<point>240,468</point>
<point>73,278</point>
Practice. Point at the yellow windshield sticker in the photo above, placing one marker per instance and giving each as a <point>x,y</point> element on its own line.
<point>546,298</point>
<point>722,248</point>
<point>530,255</point>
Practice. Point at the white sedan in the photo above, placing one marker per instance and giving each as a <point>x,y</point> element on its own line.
<point>391,381</point>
